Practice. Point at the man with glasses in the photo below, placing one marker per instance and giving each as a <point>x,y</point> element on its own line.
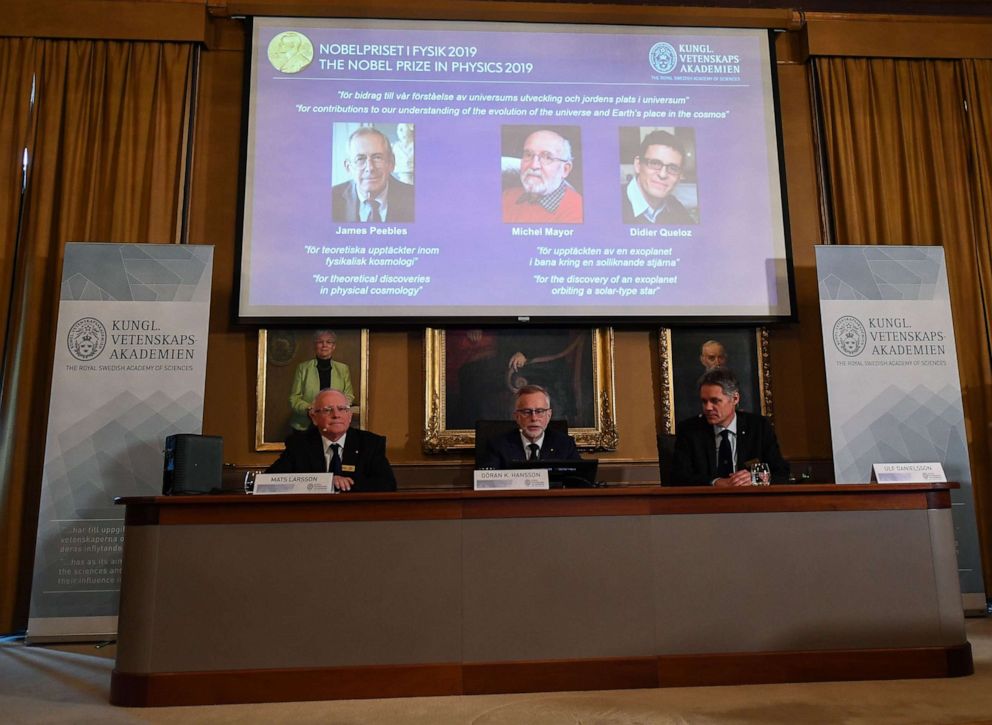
<point>658,168</point>
<point>544,196</point>
<point>356,457</point>
<point>372,194</point>
<point>531,440</point>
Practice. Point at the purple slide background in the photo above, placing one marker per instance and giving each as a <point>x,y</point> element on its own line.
<point>481,265</point>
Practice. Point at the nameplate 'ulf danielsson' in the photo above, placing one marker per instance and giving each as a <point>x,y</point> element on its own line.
<point>267,483</point>
<point>908,473</point>
<point>522,480</point>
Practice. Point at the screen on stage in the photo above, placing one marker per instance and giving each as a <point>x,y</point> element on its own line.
<point>456,171</point>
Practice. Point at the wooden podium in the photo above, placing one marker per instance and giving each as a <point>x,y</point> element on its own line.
<point>272,598</point>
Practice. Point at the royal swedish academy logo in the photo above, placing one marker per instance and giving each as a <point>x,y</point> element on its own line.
<point>850,336</point>
<point>87,338</point>
<point>663,57</point>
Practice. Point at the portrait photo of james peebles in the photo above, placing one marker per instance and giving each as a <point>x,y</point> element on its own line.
<point>367,185</point>
<point>658,175</point>
<point>293,365</point>
<point>541,175</point>
<point>685,353</point>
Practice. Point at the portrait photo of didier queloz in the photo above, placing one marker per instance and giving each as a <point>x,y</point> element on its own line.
<point>371,194</point>
<point>661,163</point>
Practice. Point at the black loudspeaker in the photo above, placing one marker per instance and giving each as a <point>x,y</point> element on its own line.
<point>193,464</point>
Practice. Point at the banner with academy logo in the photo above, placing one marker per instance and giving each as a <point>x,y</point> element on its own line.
<point>129,369</point>
<point>892,376</point>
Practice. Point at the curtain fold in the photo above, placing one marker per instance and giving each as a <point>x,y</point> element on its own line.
<point>106,144</point>
<point>978,92</point>
<point>16,71</point>
<point>17,66</point>
<point>901,152</point>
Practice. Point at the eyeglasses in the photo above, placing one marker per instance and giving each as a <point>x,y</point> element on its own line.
<point>330,409</point>
<point>528,412</point>
<point>363,160</point>
<point>657,165</point>
<point>544,158</point>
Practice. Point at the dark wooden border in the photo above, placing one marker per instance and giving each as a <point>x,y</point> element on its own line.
<point>334,683</point>
<point>320,683</point>
<point>461,504</point>
<point>812,666</point>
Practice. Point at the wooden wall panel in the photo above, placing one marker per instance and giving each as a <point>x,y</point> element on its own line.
<point>798,378</point>
<point>174,20</point>
<point>898,36</point>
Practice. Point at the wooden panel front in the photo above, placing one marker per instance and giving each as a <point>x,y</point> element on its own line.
<point>383,595</point>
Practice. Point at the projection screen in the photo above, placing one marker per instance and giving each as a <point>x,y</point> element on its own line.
<point>446,171</point>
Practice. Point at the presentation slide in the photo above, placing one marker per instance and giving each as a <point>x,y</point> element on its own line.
<point>507,171</point>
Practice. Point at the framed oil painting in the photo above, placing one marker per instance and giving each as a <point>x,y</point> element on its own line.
<point>285,359</point>
<point>472,374</point>
<point>686,353</point>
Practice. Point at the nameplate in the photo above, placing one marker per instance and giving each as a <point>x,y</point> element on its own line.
<point>522,480</point>
<point>266,483</point>
<point>908,473</point>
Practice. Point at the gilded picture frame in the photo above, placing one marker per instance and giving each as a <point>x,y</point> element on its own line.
<point>681,358</point>
<point>280,352</point>
<point>469,376</point>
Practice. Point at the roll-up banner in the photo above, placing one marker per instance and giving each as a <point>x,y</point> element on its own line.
<point>129,369</point>
<point>892,376</point>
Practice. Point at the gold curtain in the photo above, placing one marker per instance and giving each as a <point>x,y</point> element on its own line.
<point>901,151</point>
<point>106,143</point>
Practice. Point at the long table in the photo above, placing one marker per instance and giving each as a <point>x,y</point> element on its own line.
<point>239,598</point>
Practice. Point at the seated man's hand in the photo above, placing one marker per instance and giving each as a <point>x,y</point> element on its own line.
<point>737,478</point>
<point>341,483</point>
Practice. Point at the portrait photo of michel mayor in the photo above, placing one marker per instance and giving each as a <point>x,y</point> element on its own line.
<point>541,175</point>
<point>658,175</point>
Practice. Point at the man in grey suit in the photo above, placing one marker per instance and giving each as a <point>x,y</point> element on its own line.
<point>372,194</point>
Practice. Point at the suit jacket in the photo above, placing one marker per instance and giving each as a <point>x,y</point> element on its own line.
<point>694,460</point>
<point>502,449</point>
<point>365,451</point>
<point>344,202</point>
<point>306,385</point>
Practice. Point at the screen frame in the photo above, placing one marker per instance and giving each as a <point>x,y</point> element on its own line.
<point>494,320</point>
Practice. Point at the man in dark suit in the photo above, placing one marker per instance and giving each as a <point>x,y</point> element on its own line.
<point>717,448</point>
<point>356,457</point>
<point>373,194</point>
<point>531,440</point>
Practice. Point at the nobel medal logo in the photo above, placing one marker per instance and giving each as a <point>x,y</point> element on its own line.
<point>663,58</point>
<point>290,52</point>
<point>850,336</point>
<point>87,338</point>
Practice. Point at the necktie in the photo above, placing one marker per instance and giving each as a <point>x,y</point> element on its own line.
<point>335,464</point>
<point>533,452</point>
<point>374,213</point>
<point>724,457</point>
